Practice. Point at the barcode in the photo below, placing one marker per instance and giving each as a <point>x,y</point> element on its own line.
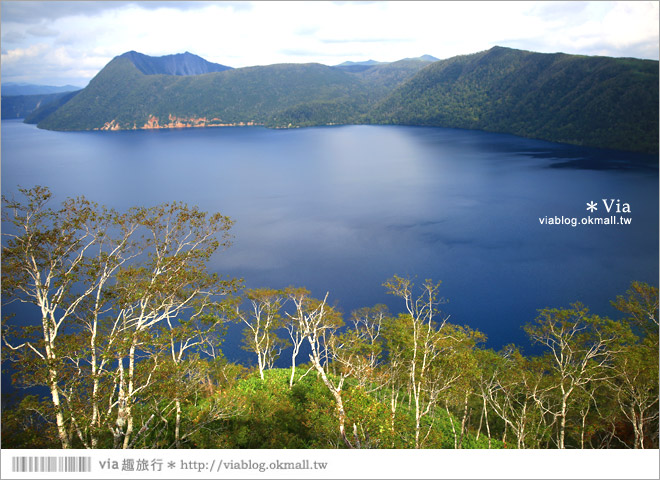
<point>51,464</point>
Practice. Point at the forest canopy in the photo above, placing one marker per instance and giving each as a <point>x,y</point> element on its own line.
<point>125,351</point>
<point>601,102</point>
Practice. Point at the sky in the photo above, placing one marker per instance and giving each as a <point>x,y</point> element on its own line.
<point>59,43</point>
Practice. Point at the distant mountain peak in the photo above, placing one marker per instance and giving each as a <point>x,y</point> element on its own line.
<point>178,64</point>
<point>424,58</point>
<point>13,88</point>
<point>367,62</point>
<point>371,63</point>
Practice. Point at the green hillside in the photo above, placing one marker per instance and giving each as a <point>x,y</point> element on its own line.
<point>303,416</point>
<point>384,77</point>
<point>46,108</point>
<point>21,106</point>
<point>281,95</point>
<point>593,101</point>
<point>596,101</point>
<point>120,93</point>
<point>378,80</point>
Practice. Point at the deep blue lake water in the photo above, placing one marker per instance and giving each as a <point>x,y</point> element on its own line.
<point>342,209</point>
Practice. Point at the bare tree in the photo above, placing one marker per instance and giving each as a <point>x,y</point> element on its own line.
<point>47,259</point>
<point>358,351</point>
<point>457,371</point>
<point>581,349</point>
<point>103,282</point>
<point>517,393</point>
<point>261,323</point>
<point>172,281</point>
<point>641,304</point>
<point>420,340</point>
<point>636,389</point>
<point>318,322</point>
<point>635,384</point>
<point>296,325</point>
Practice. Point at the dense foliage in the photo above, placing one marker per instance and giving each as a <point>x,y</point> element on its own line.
<point>597,101</point>
<point>121,93</point>
<point>21,106</point>
<point>124,351</point>
<point>594,101</point>
<point>45,108</point>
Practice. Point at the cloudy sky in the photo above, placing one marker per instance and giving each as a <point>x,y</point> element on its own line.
<point>57,43</point>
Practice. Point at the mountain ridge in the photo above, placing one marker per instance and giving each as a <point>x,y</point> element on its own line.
<point>122,97</point>
<point>364,63</point>
<point>586,100</point>
<point>180,64</point>
<point>594,101</point>
<point>11,89</point>
<point>24,106</point>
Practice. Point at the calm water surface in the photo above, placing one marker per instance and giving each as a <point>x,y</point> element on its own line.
<point>342,209</point>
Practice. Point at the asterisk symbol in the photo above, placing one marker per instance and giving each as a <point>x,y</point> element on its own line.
<point>171,465</point>
<point>591,206</point>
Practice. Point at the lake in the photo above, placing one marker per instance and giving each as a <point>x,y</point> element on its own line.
<point>342,209</point>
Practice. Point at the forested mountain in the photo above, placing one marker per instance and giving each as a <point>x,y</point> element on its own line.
<point>371,63</point>
<point>130,93</point>
<point>366,63</point>
<point>45,108</point>
<point>384,77</point>
<point>376,81</point>
<point>122,97</point>
<point>12,89</point>
<point>21,106</point>
<point>595,101</point>
<point>179,64</point>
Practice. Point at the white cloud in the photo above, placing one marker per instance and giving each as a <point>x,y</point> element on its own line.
<point>73,37</point>
<point>20,54</point>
